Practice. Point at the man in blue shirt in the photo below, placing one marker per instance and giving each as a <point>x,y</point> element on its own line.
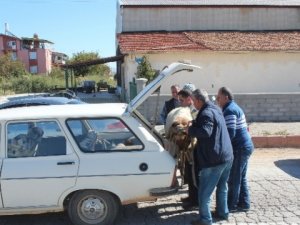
<point>238,193</point>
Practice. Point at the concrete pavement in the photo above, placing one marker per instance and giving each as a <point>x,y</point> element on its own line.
<point>274,180</point>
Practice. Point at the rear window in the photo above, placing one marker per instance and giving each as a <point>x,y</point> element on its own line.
<point>33,139</point>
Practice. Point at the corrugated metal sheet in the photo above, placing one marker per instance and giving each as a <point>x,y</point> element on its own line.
<point>209,2</point>
<point>183,19</point>
<point>155,42</point>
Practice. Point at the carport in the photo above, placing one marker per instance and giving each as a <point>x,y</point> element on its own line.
<point>69,68</point>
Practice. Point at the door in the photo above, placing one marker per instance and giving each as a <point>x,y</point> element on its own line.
<point>39,165</point>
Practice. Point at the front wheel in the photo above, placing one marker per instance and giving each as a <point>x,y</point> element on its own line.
<point>93,207</point>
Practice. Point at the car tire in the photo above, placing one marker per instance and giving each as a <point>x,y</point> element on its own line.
<point>93,207</point>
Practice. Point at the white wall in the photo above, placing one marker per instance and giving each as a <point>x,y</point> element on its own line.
<point>246,72</point>
<point>207,18</point>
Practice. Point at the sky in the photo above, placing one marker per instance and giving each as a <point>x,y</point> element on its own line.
<point>72,25</point>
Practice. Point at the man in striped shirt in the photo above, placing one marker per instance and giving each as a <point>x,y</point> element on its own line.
<point>238,193</point>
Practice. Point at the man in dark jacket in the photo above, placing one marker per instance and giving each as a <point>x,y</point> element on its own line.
<point>214,155</point>
<point>238,193</point>
<point>170,104</point>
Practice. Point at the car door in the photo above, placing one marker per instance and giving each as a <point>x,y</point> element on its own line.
<point>39,165</point>
<point>115,155</point>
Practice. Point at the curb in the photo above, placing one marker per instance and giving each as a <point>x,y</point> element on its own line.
<point>291,141</point>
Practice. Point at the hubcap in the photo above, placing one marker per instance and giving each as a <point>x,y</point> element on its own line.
<point>93,209</point>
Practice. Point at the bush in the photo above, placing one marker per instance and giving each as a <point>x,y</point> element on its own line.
<point>32,83</point>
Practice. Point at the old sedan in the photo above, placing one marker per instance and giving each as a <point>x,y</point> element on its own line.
<point>88,159</point>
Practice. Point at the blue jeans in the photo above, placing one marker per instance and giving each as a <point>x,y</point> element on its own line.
<point>209,178</point>
<point>238,193</point>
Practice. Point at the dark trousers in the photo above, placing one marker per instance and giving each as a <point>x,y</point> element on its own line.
<point>193,190</point>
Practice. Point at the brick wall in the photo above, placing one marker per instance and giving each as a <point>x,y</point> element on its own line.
<point>257,107</point>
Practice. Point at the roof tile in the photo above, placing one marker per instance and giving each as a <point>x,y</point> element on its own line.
<point>208,41</point>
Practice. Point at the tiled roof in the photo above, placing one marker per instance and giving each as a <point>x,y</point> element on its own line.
<point>153,42</point>
<point>209,2</point>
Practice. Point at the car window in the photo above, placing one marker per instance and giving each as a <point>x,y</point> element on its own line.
<point>109,134</point>
<point>33,139</point>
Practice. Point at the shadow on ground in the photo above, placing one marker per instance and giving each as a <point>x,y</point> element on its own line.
<point>164,213</point>
<point>41,219</point>
<point>290,166</point>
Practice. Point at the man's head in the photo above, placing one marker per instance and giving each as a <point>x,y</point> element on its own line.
<point>224,96</point>
<point>200,97</point>
<point>174,90</point>
<point>185,98</point>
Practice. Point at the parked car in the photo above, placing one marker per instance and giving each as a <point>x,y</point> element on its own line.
<point>87,86</point>
<point>88,159</point>
<point>34,101</point>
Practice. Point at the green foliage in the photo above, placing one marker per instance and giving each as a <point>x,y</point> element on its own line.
<point>100,69</point>
<point>31,83</point>
<point>57,72</point>
<point>144,70</point>
<point>11,68</point>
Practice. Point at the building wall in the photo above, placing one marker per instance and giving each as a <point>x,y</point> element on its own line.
<point>283,107</point>
<point>207,18</point>
<point>245,72</point>
<point>44,60</point>
<point>24,57</point>
<point>1,45</point>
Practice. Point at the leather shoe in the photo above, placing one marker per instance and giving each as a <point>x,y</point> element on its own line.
<point>243,209</point>
<point>239,209</point>
<point>216,216</point>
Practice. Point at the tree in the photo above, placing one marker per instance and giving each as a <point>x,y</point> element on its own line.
<point>144,70</point>
<point>11,68</point>
<point>100,69</point>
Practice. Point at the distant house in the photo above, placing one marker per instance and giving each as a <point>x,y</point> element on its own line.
<point>59,58</point>
<point>34,52</point>
<point>250,46</point>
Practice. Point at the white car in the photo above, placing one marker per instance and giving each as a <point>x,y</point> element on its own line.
<point>88,159</point>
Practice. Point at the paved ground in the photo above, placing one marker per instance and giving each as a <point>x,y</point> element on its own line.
<point>274,179</point>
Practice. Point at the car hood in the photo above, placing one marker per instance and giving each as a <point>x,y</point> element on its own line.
<point>164,76</point>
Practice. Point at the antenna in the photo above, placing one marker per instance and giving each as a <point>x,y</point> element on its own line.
<point>6,28</point>
<point>7,32</point>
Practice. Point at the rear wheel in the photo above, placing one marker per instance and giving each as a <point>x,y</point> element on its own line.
<point>93,207</point>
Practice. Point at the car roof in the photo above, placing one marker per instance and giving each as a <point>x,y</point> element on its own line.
<point>38,101</point>
<point>62,111</point>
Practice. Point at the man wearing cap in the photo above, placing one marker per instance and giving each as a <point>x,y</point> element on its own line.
<point>185,99</point>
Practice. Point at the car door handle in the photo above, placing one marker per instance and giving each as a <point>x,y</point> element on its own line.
<point>65,163</point>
